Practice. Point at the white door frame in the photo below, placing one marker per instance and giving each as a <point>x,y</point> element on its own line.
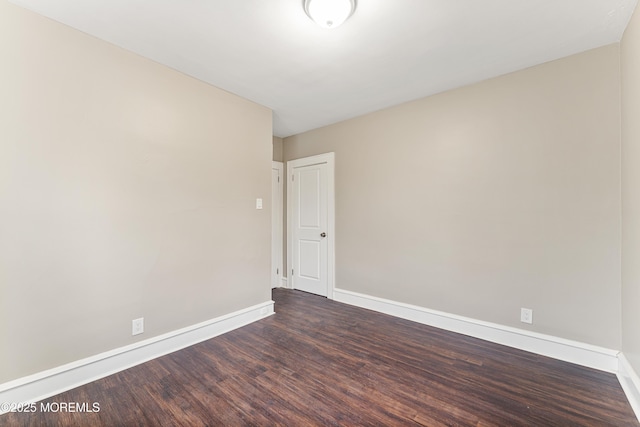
<point>277,227</point>
<point>329,159</point>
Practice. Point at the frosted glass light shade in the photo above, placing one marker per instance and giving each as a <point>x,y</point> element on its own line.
<point>329,13</point>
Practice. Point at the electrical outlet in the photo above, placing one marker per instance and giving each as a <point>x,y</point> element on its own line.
<point>526,315</point>
<point>137,326</point>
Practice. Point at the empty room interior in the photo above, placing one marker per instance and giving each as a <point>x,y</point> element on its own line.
<point>234,212</point>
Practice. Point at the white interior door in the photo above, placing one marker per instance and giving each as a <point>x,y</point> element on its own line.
<point>311,230</point>
<point>277,208</point>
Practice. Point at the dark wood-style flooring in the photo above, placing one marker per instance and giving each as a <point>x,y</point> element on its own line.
<point>319,362</point>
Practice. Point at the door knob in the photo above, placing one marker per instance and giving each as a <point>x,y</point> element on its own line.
<point>323,234</point>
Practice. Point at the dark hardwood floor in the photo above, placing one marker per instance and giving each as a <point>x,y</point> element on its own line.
<point>319,362</point>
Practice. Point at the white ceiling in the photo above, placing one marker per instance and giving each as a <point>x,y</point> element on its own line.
<point>388,52</point>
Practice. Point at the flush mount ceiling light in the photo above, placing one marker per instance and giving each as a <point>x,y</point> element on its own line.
<point>329,13</point>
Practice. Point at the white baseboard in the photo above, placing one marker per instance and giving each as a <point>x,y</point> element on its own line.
<point>579,353</point>
<point>282,284</point>
<point>630,383</point>
<point>57,380</point>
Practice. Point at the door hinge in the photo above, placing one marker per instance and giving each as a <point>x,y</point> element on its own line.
<point>277,271</point>
<point>278,179</point>
<point>293,177</point>
<point>292,272</point>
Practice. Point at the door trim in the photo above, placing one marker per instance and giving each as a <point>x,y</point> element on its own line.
<point>329,160</point>
<point>279,222</point>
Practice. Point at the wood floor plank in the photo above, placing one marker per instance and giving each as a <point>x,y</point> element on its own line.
<point>319,362</point>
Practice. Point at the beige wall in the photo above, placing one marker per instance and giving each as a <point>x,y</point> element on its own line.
<point>126,190</point>
<point>277,149</point>
<point>489,198</point>
<point>631,192</point>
